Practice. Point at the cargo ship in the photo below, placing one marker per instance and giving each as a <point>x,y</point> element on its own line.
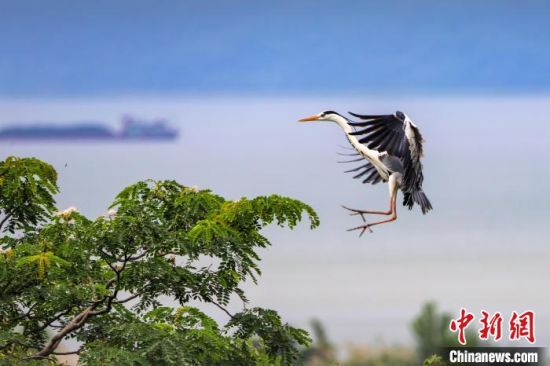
<point>131,129</point>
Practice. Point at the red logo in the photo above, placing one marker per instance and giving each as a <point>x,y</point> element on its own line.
<point>460,325</point>
<point>520,326</point>
<point>490,327</point>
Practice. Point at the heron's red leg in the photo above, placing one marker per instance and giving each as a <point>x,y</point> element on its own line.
<point>392,212</point>
<point>355,211</point>
<point>392,185</point>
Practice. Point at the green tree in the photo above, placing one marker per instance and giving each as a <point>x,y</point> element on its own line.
<point>99,281</point>
<point>431,330</point>
<point>434,361</point>
<point>322,351</point>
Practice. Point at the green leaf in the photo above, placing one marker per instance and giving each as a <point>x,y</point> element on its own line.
<point>42,261</point>
<point>27,186</point>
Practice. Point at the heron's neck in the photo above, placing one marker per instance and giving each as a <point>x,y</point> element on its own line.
<point>370,155</point>
<point>343,123</point>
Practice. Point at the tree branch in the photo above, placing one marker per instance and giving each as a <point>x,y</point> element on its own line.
<point>78,321</point>
<point>76,352</point>
<point>222,308</point>
<point>139,256</point>
<point>126,299</point>
<point>27,314</point>
<point>73,325</point>
<point>57,317</point>
<point>6,218</point>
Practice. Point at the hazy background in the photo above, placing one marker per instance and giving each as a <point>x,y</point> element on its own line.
<point>235,76</point>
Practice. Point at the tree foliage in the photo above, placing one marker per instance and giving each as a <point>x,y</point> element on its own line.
<point>431,330</point>
<point>434,360</point>
<point>321,351</point>
<point>27,187</point>
<point>99,281</point>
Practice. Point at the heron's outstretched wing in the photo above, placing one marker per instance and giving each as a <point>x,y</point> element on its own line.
<point>382,133</point>
<point>365,171</point>
<point>401,139</point>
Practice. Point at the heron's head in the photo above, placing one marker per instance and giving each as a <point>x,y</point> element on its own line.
<point>323,116</point>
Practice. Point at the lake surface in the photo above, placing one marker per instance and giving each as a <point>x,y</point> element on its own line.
<point>487,172</point>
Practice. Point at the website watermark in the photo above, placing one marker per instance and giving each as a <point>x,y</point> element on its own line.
<point>475,356</point>
<point>494,327</point>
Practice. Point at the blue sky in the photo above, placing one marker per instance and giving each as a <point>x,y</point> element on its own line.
<point>65,48</point>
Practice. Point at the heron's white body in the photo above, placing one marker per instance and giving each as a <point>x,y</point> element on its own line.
<point>372,156</point>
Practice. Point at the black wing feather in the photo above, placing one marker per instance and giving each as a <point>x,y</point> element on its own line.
<point>358,168</point>
<point>370,116</point>
<point>373,177</point>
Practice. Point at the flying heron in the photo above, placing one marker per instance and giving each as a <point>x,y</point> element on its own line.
<point>392,147</point>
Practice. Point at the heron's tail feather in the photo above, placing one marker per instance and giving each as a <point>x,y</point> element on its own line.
<point>418,197</point>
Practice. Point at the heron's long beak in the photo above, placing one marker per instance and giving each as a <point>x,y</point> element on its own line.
<point>310,118</point>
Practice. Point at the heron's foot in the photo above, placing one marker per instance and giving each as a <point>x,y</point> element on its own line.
<point>363,228</point>
<point>355,212</point>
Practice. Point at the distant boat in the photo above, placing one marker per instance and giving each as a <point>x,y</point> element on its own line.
<point>132,129</point>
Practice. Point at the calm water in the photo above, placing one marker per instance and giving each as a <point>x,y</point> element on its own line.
<point>487,173</point>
